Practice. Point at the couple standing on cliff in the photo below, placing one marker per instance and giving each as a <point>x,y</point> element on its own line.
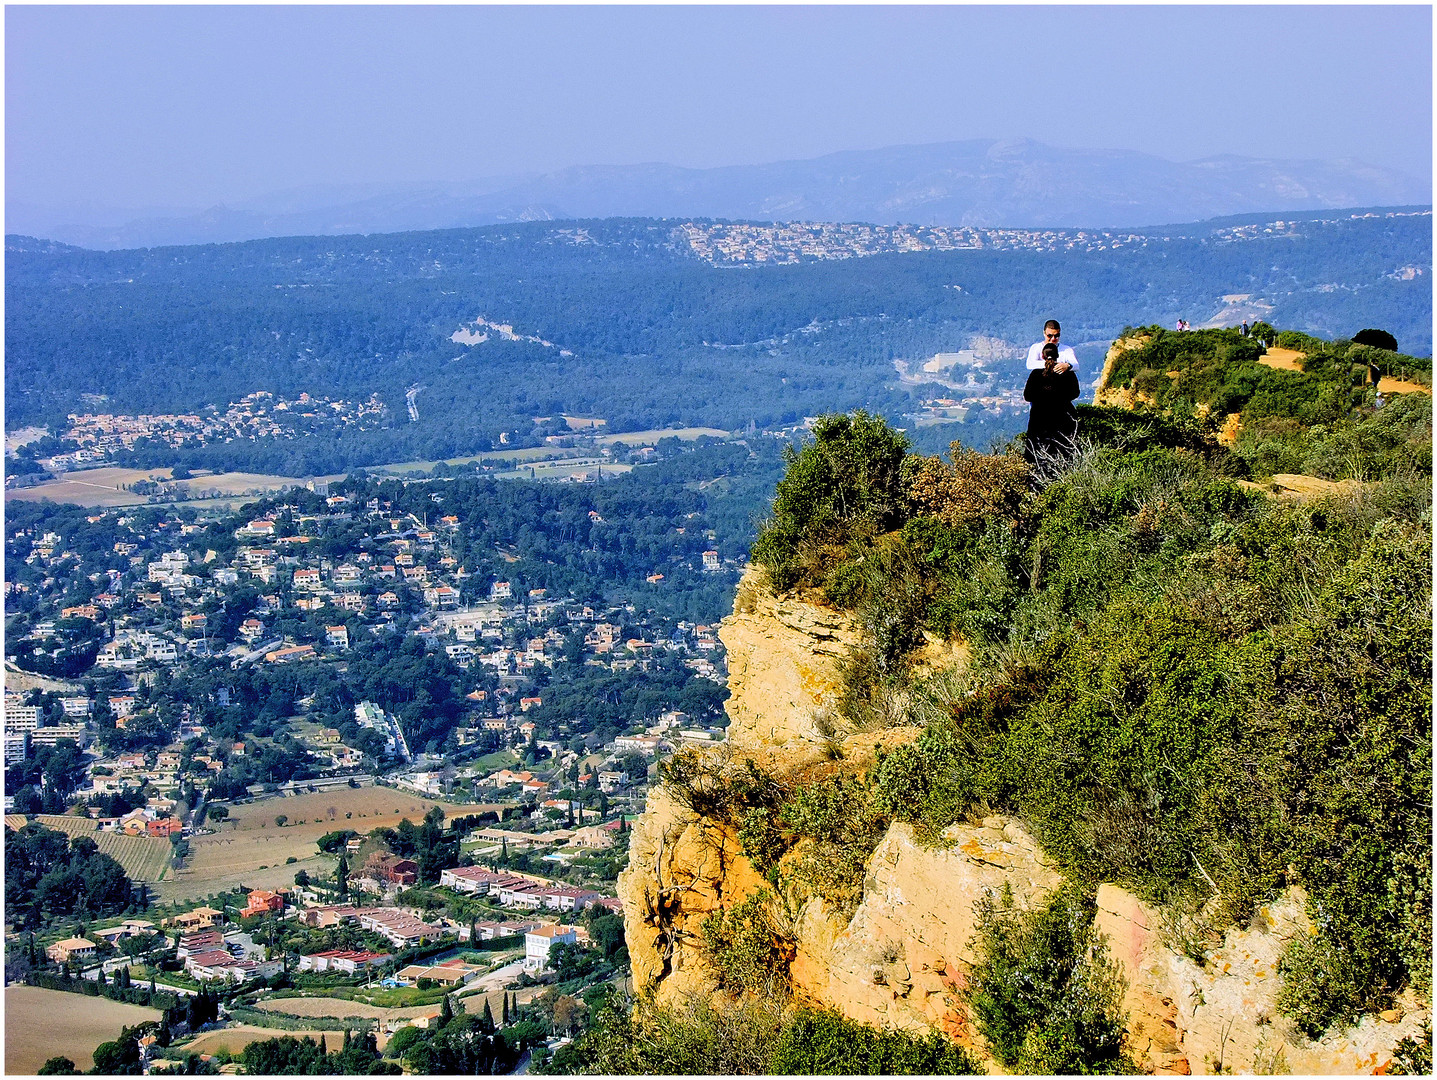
<point>1051,390</point>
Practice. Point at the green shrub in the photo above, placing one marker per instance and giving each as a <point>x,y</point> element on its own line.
<point>1293,339</point>
<point>1322,984</point>
<point>837,829</point>
<point>750,1036</point>
<point>714,786</point>
<point>744,950</point>
<point>846,486</point>
<point>1043,992</point>
<point>632,1038</point>
<point>822,1042</point>
<point>1413,1057</point>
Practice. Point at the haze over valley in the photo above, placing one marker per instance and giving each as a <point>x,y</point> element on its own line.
<point>1018,183</point>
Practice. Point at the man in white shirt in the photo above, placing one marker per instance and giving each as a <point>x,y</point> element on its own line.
<point>1066,357</point>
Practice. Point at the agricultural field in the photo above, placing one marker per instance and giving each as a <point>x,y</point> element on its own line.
<point>235,1039</point>
<point>340,1009</point>
<point>41,1024</point>
<point>91,487</point>
<point>106,487</point>
<point>185,886</point>
<point>251,849</point>
<point>360,809</point>
<point>651,438</point>
<point>145,858</point>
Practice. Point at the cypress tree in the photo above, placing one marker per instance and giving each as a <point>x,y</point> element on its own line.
<point>488,1016</point>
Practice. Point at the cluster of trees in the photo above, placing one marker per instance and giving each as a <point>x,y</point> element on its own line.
<point>657,337</point>
<point>429,844</point>
<point>605,704</point>
<point>43,781</point>
<point>69,651</point>
<point>466,1043</point>
<point>51,875</point>
<point>288,1056</point>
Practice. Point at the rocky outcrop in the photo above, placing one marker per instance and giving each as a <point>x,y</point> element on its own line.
<point>681,869</point>
<point>783,656</point>
<point>1105,393</point>
<point>900,961</point>
<point>902,958</point>
<point>1221,1014</point>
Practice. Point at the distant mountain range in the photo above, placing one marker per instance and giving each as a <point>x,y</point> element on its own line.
<point>981,182</point>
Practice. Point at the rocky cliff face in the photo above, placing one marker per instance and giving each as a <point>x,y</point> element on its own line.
<point>901,959</point>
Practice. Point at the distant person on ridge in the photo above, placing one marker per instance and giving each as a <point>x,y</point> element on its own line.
<point>1052,421</point>
<point>1067,359</point>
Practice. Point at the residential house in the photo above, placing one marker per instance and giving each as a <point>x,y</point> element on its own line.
<point>400,928</point>
<point>75,948</point>
<point>262,902</point>
<point>538,943</point>
<point>346,960</point>
<point>329,915</point>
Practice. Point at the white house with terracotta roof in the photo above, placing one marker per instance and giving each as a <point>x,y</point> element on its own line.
<point>539,942</point>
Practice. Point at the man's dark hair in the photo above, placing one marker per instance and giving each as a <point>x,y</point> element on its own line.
<point>1052,324</point>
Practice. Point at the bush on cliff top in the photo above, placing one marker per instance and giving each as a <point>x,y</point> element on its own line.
<point>845,487</point>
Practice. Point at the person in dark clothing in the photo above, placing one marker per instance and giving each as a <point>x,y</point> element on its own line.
<point>1052,421</point>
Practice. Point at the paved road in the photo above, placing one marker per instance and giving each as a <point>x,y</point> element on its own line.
<point>94,973</point>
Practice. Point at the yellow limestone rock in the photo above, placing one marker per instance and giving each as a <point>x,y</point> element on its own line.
<point>783,656</point>
<point>1185,1017</point>
<point>681,869</point>
<point>1121,397</point>
<point>902,959</point>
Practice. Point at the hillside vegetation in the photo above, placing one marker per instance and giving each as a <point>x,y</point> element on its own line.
<point>1180,684</point>
<point>640,330</point>
<point>1321,420</point>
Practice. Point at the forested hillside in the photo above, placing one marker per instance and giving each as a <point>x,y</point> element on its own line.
<point>618,318</point>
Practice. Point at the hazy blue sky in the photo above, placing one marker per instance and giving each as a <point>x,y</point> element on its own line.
<point>190,106</point>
